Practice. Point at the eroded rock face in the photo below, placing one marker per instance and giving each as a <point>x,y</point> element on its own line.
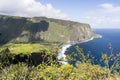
<point>81,32</point>
<point>20,29</point>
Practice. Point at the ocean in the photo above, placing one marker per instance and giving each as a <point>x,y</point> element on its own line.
<point>98,46</point>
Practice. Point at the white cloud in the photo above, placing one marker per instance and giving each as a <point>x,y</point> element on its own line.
<point>29,8</point>
<point>107,16</point>
<point>102,21</point>
<point>110,8</point>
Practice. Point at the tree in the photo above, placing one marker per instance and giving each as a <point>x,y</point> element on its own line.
<point>112,61</point>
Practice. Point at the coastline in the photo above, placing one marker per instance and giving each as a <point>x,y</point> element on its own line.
<point>61,53</point>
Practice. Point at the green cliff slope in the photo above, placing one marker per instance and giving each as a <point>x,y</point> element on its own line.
<point>25,30</point>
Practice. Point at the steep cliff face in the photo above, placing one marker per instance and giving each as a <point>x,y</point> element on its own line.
<point>20,29</point>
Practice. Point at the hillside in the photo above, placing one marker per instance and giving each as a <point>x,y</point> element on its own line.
<point>20,29</point>
<point>29,50</point>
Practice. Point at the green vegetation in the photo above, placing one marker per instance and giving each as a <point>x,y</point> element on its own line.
<point>29,46</point>
<point>114,58</point>
<point>30,30</point>
<point>51,69</point>
<point>56,33</point>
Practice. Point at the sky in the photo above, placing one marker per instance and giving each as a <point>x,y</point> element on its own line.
<point>97,13</point>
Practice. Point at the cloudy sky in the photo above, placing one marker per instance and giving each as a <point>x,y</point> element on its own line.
<point>98,13</point>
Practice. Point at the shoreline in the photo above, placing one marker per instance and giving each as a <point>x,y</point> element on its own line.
<point>61,53</point>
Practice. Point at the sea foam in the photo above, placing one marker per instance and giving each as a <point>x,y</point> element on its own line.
<point>61,53</point>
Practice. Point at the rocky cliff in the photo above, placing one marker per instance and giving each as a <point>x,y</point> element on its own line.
<point>21,29</point>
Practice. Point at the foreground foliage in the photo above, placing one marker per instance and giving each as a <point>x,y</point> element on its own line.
<point>84,71</point>
<point>51,70</point>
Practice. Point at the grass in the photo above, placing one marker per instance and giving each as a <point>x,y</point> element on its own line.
<point>26,48</point>
<point>56,33</point>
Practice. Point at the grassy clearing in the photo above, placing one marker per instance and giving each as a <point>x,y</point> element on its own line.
<point>27,48</point>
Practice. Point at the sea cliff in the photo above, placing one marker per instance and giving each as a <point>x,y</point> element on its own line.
<point>24,30</point>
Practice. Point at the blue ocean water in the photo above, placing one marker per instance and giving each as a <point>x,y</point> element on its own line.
<point>99,46</point>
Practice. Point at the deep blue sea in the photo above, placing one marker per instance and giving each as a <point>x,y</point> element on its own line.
<point>100,45</point>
